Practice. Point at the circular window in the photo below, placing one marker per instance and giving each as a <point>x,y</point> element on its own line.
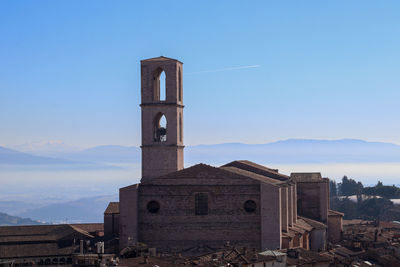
<point>153,206</point>
<point>250,206</point>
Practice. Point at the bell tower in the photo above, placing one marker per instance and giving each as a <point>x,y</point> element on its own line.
<point>162,116</point>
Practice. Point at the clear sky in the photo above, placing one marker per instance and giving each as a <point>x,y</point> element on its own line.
<point>254,71</point>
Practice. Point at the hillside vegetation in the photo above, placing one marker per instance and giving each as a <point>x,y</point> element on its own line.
<point>372,203</point>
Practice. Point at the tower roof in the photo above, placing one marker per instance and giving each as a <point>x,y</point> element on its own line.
<point>160,58</point>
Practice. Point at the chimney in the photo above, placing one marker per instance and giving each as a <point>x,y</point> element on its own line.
<point>81,246</point>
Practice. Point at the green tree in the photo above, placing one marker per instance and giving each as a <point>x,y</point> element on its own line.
<point>350,187</point>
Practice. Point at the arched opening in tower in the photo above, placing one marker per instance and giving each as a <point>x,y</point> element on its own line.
<point>160,128</point>
<point>163,86</point>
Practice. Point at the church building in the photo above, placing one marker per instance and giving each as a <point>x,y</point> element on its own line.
<point>175,209</point>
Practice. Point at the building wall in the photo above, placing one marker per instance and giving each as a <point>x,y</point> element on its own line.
<point>111,225</point>
<point>312,200</point>
<point>176,226</point>
<point>271,226</point>
<point>335,228</point>
<point>284,208</point>
<point>295,203</point>
<point>318,240</point>
<point>128,208</point>
<point>290,205</point>
<point>324,200</point>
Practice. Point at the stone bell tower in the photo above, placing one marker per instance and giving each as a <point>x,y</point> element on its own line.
<point>162,116</point>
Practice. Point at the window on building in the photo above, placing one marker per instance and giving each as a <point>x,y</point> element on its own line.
<point>201,204</point>
<point>250,206</point>
<point>153,206</point>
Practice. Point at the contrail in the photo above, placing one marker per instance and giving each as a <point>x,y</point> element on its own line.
<point>225,69</point>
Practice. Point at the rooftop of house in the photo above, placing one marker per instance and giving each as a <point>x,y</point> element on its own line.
<point>38,233</point>
<point>112,208</point>
<point>335,213</point>
<point>300,257</point>
<point>39,240</point>
<point>313,223</point>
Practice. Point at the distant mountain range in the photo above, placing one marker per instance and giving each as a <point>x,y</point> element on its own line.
<point>83,210</point>
<point>282,152</point>
<point>117,159</point>
<point>9,220</point>
<point>14,157</point>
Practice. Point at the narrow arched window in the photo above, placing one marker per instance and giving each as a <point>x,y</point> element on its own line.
<point>201,204</point>
<point>163,86</point>
<point>179,85</point>
<point>180,127</point>
<point>160,128</point>
<point>159,85</point>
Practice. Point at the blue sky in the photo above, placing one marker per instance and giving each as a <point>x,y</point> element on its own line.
<point>69,70</point>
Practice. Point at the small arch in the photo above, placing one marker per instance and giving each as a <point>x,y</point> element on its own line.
<point>179,85</point>
<point>47,261</point>
<point>160,128</point>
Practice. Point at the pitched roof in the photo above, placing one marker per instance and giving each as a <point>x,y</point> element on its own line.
<point>200,172</point>
<point>36,233</point>
<point>300,256</point>
<point>160,58</point>
<point>335,213</point>
<point>252,175</point>
<point>112,208</point>
<point>258,169</point>
<point>89,227</point>
<point>12,251</point>
<point>303,224</point>
<point>315,224</point>
<point>233,170</point>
